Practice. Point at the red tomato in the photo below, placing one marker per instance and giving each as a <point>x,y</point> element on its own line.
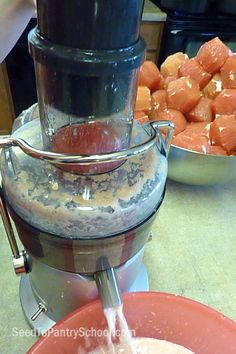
<point>225,102</point>
<point>143,120</point>
<point>140,115</point>
<point>149,76</point>
<point>212,55</point>
<point>223,132</point>
<point>228,73</point>
<point>160,85</point>
<point>214,87</point>
<point>198,129</point>
<point>194,143</point>
<point>169,79</point>
<point>202,112</point>
<point>158,103</point>
<point>216,150</point>
<point>183,94</point>
<point>143,99</point>
<point>97,137</point>
<point>175,117</point>
<point>172,63</point>
<point>195,71</point>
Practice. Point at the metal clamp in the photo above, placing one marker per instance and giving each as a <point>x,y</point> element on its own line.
<point>42,308</point>
<point>166,143</point>
<point>20,262</point>
<point>57,158</point>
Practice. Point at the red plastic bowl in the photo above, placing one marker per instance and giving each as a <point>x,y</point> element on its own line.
<point>151,314</point>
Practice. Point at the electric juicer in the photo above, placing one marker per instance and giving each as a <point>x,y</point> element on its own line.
<point>82,181</point>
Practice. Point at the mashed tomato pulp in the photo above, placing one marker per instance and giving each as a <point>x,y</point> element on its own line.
<point>87,139</point>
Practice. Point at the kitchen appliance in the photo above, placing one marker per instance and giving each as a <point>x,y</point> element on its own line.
<point>82,182</point>
<point>191,23</point>
<point>188,34</point>
<point>193,7</point>
<point>196,8</point>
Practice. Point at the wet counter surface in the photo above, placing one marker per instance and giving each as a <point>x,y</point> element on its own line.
<point>192,253</point>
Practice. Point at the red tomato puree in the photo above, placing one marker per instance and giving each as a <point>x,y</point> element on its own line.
<point>91,138</point>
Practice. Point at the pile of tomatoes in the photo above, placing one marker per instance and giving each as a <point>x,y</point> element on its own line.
<point>197,94</point>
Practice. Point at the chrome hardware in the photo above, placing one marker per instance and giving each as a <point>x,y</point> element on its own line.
<point>20,262</point>
<point>166,143</point>
<point>57,158</point>
<point>108,288</point>
<point>42,308</point>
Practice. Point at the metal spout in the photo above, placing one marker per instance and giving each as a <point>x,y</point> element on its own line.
<point>108,288</point>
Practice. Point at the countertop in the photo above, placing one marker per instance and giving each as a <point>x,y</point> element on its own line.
<point>192,253</point>
<point>152,13</point>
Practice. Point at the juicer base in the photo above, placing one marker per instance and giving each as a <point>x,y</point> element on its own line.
<point>44,322</point>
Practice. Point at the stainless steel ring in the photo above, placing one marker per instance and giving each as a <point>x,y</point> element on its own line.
<point>63,159</point>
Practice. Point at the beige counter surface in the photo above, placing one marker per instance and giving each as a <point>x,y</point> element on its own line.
<point>192,253</point>
<point>152,13</point>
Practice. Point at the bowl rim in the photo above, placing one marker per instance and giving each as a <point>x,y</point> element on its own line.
<point>200,153</point>
<point>214,314</point>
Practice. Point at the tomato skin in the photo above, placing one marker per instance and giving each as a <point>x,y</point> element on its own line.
<point>212,55</point>
<point>149,76</point>
<point>143,120</point>
<point>141,117</point>
<point>214,87</point>
<point>198,129</point>
<point>216,150</point>
<point>183,94</point>
<point>139,114</point>
<point>170,66</point>
<point>228,73</point>
<point>225,102</point>
<point>81,139</point>
<point>202,112</point>
<point>175,117</point>
<point>196,137</point>
<point>194,143</point>
<point>195,71</point>
<point>169,79</point>
<point>223,132</point>
<point>158,104</point>
<point>143,99</point>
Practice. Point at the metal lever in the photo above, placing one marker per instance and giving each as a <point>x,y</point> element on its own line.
<point>108,288</point>
<point>42,308</point>
<point>164,143</point>
<point>20,262</point>
<point>58,158</point>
